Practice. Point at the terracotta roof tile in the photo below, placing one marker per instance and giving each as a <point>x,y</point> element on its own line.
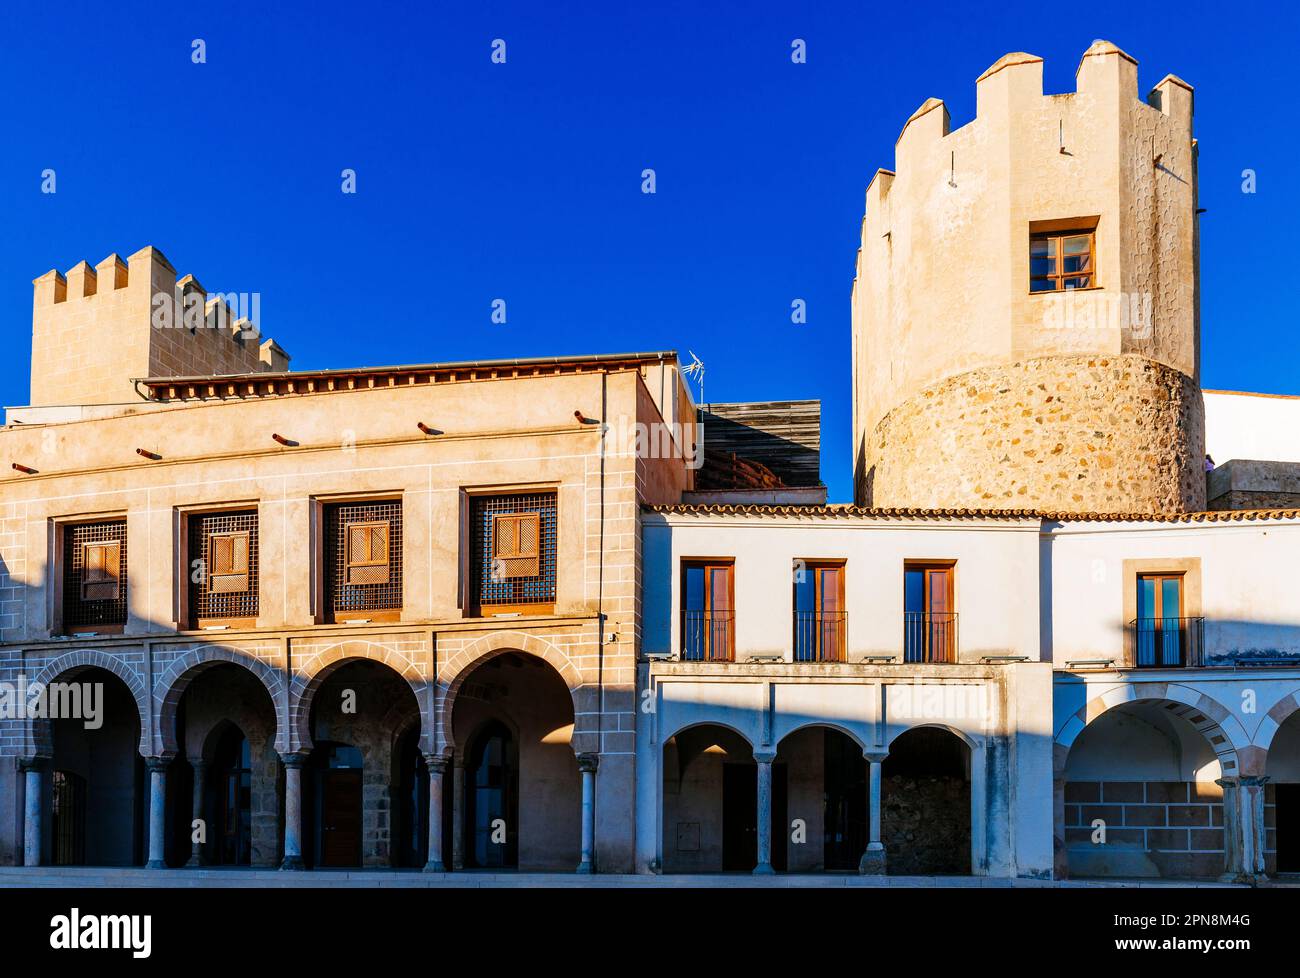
<point>841,510</point>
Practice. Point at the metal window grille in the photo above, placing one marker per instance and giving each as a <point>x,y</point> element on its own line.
<point>354,584</point>
<point>81,612</point>
<point>217,595</point>
<point>510,578</point>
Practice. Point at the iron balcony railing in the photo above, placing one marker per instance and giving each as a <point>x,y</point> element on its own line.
<point>819,636</point>
<point>1167,643</point>
<point>929,636</point>
<point>708,636</point>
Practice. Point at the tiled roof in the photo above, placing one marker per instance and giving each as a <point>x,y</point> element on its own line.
<point>841,510</point>
<point>279,383</point>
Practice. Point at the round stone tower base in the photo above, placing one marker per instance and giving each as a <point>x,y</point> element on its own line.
<point>1105,434</point>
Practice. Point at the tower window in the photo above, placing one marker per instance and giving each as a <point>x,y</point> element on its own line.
<point>1060,260</point>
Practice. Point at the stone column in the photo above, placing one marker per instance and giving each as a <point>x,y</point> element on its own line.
<point>873,859</point>
<point>157,767</point>
<point>1251,810</point>
<point>197,857</point>
<point>1243,828</point>
<point>458,814</point>
<point>587,764</point>
<point>293,764</point>
<point>764,867</point>
<point>437,769</point>
<point>33,804</point>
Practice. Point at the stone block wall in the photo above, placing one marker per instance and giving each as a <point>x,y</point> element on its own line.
<point>1153,828</point>
<point>1110,434</point>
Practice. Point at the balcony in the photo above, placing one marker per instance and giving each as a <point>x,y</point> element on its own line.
<point>708,636</point>
<point>929,636</point>
<point>1167,643</point>
<point>819,636</point>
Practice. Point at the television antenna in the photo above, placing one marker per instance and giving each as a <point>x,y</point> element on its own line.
<point>695,369</point>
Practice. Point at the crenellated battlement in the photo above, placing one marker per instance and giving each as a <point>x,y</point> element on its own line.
<point>943,278</point>
<point>96,329</point>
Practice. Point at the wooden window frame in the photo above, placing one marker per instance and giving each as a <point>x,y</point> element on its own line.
<point>819,631</point>
<point>708,564</point>
<point>470,553</point>
<point>927,566</point>
<point>187,609</point>
<point>1057,277</point>
<point>517,520</point>
<point>213,573</point>
<point>61,526</point>
<point>325,511</point>
<point>115,579</point>
<point>352,562</point>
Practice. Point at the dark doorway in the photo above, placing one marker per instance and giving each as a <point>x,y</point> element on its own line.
<point>925,804</point>
<point>845,781</point>
<point>103,817</point>
<point>232,785</point>
<point>338,805</point>
<point>69,819</point>
<point>740,817</point>
<point>492,799</point>
<point>1286,813</point>
<point>411,814</point>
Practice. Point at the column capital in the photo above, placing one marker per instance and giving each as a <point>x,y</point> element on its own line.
<point>875,757</point>
<point>198,763</point>
<point>1226,782</point>
<point>157,765</point>
<point>437,763</point>
<point>764,756</point>
<point>294,759</point>
<point>1254,781</point>
<point>587,763</point>
<point>33,763</point>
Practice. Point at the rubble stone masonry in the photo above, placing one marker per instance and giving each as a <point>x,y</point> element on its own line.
<point>1110,434</point>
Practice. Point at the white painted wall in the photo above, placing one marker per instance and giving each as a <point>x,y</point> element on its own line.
<point>996,581</point>
<point>1254,426</point>
<point>1249,594</point>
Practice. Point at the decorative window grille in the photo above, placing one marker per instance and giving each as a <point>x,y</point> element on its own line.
<point>223,583</point>
<point>514,550</point>
<point>363,559</point>
<point>94,575</point>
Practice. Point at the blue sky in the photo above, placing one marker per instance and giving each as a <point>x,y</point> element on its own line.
<point>478,181</point>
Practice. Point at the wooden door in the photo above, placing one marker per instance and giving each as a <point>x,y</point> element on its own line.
<point>340,840</point>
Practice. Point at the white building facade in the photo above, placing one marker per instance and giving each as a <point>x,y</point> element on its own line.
<point>1046,722</point>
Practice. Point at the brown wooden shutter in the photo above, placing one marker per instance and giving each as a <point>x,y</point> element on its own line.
<point>516,544</point>
<point>101,571</point>
<point>367,556</point>
<point>228,563</point>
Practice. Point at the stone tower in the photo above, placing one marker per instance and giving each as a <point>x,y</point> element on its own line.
<point>1078,391</point>
<point>98,328</point>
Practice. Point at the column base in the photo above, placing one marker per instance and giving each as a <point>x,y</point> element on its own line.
<point>196,862</point>
<point>873,860</point>
<point>1247,879</point>
<point>764,869</point>
<point>435,866</point>
<point>292,864</point>
<point>155,864</point>
<point>585,868</point>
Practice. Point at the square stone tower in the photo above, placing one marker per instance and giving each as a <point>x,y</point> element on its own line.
<point>1025,310</point>
<point>96,329</point>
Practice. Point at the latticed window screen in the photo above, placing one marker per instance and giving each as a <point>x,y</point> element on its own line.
<point>363,557</point>
<point>224,582</point>
<point>94,574</point>
<point>514,538</point>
